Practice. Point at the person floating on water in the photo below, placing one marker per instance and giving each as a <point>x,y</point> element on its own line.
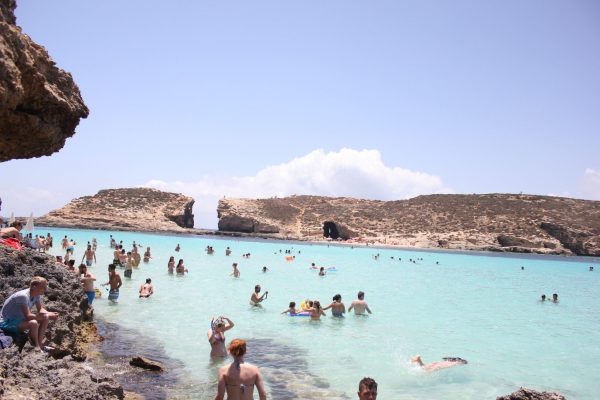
<point>338,309</point>
<point>216,335</point>
<point>367,389</point>
<point>238,379</point>
<point>255,299</point>
<point>147,290</point>
<point>291,310</point>
<point>360,305</point>
<point>437,365</point>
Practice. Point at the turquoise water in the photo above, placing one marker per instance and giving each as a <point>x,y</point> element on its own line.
<point>482,308</point>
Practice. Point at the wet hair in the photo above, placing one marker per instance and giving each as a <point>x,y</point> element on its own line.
<point>148,280</point>
<point>112,267</point>
<point>237,347</point>
<point>71,263</point>
<point>37,280</point>
<point>337,297</point>
<point>292,304</point>
<point>361,295</point>
<point>368,383</point>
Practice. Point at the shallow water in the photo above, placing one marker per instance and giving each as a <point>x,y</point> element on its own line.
<point>481,307</point>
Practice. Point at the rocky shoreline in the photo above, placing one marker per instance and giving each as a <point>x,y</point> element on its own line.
<point>62,374</point>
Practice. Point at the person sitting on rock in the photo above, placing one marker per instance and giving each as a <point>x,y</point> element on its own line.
<point>16,315</point>
<point>13,231</point>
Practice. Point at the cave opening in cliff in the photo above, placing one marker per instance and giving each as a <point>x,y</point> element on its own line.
<point>330,230</point>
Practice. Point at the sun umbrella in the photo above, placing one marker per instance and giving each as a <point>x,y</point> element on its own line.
<point>12,218</point>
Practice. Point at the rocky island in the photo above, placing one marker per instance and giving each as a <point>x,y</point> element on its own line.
<point>135,209</point>
<point>492,222</point>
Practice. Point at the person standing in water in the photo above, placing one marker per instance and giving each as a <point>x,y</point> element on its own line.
<point>177,248</point>
<point>255,299</point>
<point>216,336</point>
<point>338,309</point>
<point>147,290</point>
<point>238,379</point>
<point>147,255</point>
<point>87,279</point>
<point>181,269</point>
<point>171,265</point>
<point>89,256</point>
<point>360,305</point>
<point>367,389</point>
<point>114,280</point>
<point>236,271</point>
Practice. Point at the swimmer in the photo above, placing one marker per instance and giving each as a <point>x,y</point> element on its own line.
<point>554,298</point>
<point>360,305</point>
<point>255,300</point>
<point>177,248</point>
<point>591,269</point>
<point>216,336</point>
<point>236,271</point>
<point>227,251</point>
<point>265,269</point>
<point>146,290</point>
<point>171,265</point>
<point>437,365</point>
<point>291,309</point>
<point>147,255</point>
<point>238,379</point>
<point>322,271</point>
<point>181,269</point>
<point>543,298</point>
<point>316,311</point>
<point>338,309</point>
<point>89,256</point>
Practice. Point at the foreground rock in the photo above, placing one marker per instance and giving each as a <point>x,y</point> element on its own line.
<point>40,105</point>
<point>32,375</point>
<point>495,222</point>
<point>138,209</point>
<point>528,394</point>
<point>146,363</point>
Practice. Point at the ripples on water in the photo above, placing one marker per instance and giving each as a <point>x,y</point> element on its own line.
<point>284,367</point>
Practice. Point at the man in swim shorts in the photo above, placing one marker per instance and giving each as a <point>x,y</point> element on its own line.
<point>367,389</point>
<point>360,305</point>
<point>114,280</point>
<point>16,315</point>
<point>146,290</point>
<point>239,378</point>
<point>89,255</point>
<point>87,279</point>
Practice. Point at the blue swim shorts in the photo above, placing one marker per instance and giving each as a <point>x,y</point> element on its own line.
<point>91,296</point>
<point>11,325</point>
<point>88,262</point>
<point>113,295</point>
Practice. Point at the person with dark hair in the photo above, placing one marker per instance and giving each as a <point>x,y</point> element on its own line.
<point>291,310</point>
<point>367,389</point>
<point>239,378</point>
<point>255,299</point>
<point>147,290</point>
<point>360,305</point>
<point>115,282</point>
<point>338,309</point>
<point>316,311</point>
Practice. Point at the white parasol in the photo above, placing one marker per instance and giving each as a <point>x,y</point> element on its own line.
<point>12,218</point>
<point>29,224</point>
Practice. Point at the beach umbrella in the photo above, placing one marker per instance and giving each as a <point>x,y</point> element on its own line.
<point>12,218</point>
<point>29,224</point>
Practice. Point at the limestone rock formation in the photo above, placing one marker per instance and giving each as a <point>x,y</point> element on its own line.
<point>496,222</point>
<point>138,209</point>
<point>31,374</point>
<point>40,104</point>
<point>528,394</point>
<point>146,363</point>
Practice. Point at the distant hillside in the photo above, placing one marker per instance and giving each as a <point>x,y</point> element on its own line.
<point>138,209</point>
<point>496,222</point>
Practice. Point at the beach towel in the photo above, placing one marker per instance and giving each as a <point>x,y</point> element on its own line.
<point>11,242</point>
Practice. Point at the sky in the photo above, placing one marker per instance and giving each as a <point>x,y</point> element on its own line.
<point>371,99</point>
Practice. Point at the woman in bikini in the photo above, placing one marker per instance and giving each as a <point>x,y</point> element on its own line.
<point>238,379</point>
<point>216,336</point>
<point>171,265</point>
<point>180,269</point>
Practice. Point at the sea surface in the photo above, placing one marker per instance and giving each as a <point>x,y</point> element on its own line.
<point>482,307</point>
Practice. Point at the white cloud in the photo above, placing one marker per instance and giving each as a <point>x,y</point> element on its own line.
<point>591,184</point>
<point>348,172</point>
<point>23,201</point>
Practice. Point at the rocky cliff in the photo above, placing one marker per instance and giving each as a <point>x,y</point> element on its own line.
<point>138,209</point>
<point>61,374</point>
<point>496,222</point>
<point>40,104</point>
